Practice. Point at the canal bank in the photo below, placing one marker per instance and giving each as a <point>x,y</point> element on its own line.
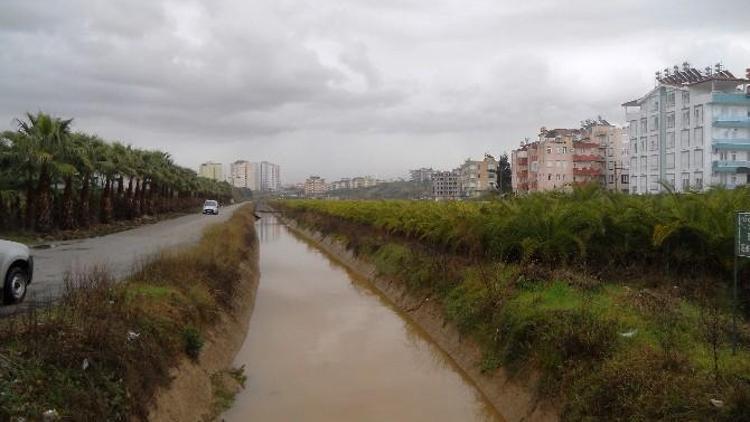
<point>513,398</point>
<point>324,344</point>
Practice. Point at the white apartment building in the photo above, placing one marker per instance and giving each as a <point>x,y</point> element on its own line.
<point>212,170</point>
<point>244,174</point>
<point>691,132</point>
<point>269,175</point>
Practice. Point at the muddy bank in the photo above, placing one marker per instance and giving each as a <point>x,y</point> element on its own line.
<point>191,395</point>
<point>514,399</point>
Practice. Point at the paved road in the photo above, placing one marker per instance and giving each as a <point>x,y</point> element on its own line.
<point>116,252</point>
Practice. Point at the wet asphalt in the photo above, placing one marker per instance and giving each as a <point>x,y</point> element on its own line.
<point>118,253</point>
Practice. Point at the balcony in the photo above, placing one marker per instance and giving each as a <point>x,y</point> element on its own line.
<point>732,121</point>
<point>731,98</point>
<point>586,172</point>
<point>725,166</point>
<point>587,157</point>
<point>739,144</point>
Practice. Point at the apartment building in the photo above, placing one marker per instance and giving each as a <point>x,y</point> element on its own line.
<point>212,170</point>
<point>269,176</point>
<point>690,132</point>
<point>547,164</point>
<point>421,175</point>
<point>477,177</point>
<point>445,185</point>
<point>244,174</point>
<point>562,158</point>
<point>340,184</point>
<point>315,186</point>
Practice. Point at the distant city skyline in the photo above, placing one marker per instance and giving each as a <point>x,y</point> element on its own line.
<point>340,89</point>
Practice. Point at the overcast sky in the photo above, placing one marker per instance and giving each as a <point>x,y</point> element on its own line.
<point>350,87</point>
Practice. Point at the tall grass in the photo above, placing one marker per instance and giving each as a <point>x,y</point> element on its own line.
<point>106,347</point>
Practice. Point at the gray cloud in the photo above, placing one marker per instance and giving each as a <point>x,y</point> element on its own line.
<point>347,88</point>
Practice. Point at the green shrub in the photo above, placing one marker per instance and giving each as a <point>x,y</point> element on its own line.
<point>193,340</point>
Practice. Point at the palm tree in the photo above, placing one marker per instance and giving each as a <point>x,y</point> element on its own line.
<point>45,139</point>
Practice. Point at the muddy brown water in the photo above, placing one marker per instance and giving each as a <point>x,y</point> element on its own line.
<point>323,345</point>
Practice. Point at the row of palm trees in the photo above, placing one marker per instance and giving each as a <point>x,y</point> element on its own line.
<point>52,178</point>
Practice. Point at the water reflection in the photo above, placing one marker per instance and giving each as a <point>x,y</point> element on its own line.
<point>324,346</point>
<point>268,228</point>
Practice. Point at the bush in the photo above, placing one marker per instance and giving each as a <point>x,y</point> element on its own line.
<point>193,341</point>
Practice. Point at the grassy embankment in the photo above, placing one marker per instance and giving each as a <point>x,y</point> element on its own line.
<point>103,351</point>
<point>620,303</point>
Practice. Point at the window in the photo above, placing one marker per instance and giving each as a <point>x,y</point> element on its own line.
<point>699,181</point>
<point>698,138</point>
<point>653,143</point>
<point>633,127</point>
<point>686,118</point>
<point>698,158</point>
<point>685,159</point>
<point>610,165</point>
<point>723,155</point>
<point>611,178</point>
<point>564,150</point>
<point>685,182</point>
<point>624,178</point>
<point>643,126</point>
<point>653,162</point>
<point>643,164</point>
<point>670,180</point>
<point>654,123</point>
<point>670,160</point>
<point>549,150</point>
<point>670,140</point>
<point>685,139</point>
<point>634,147</point>
<point>643,145</point>
<point>698,113</point>
<point>670,120</point>
<point>670,99</point>
<point>734,155</point>
<point>634,164</point>
<point>685,98</point>
<point>655,106</point>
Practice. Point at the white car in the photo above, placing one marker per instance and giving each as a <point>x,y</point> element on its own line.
<point>16,269</point>
<point>211,207</point>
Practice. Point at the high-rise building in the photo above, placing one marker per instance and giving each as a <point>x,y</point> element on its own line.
<point>690,132</point>
<point>212,170</point>
<point>269,176</point>
<point>244,174</point>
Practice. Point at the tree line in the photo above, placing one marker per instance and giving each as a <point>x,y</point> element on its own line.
<point>54,178</point>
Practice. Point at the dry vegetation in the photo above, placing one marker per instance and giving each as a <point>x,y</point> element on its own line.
<point>106,347</point>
